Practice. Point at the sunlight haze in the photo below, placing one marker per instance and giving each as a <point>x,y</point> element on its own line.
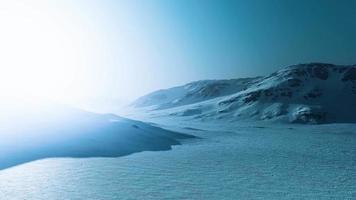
<point>89,52</point>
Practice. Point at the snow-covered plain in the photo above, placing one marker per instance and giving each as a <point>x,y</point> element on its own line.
<point>240,161</point>
<point>245,146</point>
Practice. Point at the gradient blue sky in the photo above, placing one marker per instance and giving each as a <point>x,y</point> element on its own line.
<point>136,46</point>
<point>168,42</point>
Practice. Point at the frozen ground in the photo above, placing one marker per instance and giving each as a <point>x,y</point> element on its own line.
<point>37,131</point>
<point>243,161</point>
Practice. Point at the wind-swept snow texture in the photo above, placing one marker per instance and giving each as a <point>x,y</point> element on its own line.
<point>61,131</point>
<point>303,93</point>
<point>233,161</point>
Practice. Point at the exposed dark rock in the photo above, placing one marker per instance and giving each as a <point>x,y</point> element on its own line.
<point>310,117</point>
<point>321,72</point>
<point>350,75</point>
<point>287,94</point>
<point>294,82</point>
<point>229,101</point>
<point>252,96</point>
<point>323,64</point>
<point>313,94</point>
<point>300,72</point>
<point>268,92</point>
<point>342,69</point>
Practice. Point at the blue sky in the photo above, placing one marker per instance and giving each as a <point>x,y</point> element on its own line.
<point>173,42</point>
<point>126,48</point>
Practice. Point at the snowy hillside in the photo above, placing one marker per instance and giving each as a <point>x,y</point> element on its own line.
<point>51,130</point>
<point>304,93</point>
<point>191,93</point>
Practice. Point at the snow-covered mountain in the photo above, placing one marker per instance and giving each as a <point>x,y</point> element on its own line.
<point>191,93</point>
<point>303,93</point>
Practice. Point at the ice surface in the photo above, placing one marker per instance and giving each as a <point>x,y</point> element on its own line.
<point>52,130</point>
<point>243,161</point>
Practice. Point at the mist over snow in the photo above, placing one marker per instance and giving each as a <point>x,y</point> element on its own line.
<point>177,99</point>
<point>34,131</point>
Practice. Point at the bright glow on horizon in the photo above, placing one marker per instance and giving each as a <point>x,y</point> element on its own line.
<point>103,52</point>
<point>42,54</point>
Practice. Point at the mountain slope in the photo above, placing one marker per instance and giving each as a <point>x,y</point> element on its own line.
<point>191,93</point>
<point>36,131</point>
<point>304,93</point>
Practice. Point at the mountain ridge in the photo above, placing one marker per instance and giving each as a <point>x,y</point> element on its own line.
<point>302,93</point>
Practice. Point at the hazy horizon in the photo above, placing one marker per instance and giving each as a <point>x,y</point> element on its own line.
<point>75,51</point>
<point>108,99</point>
